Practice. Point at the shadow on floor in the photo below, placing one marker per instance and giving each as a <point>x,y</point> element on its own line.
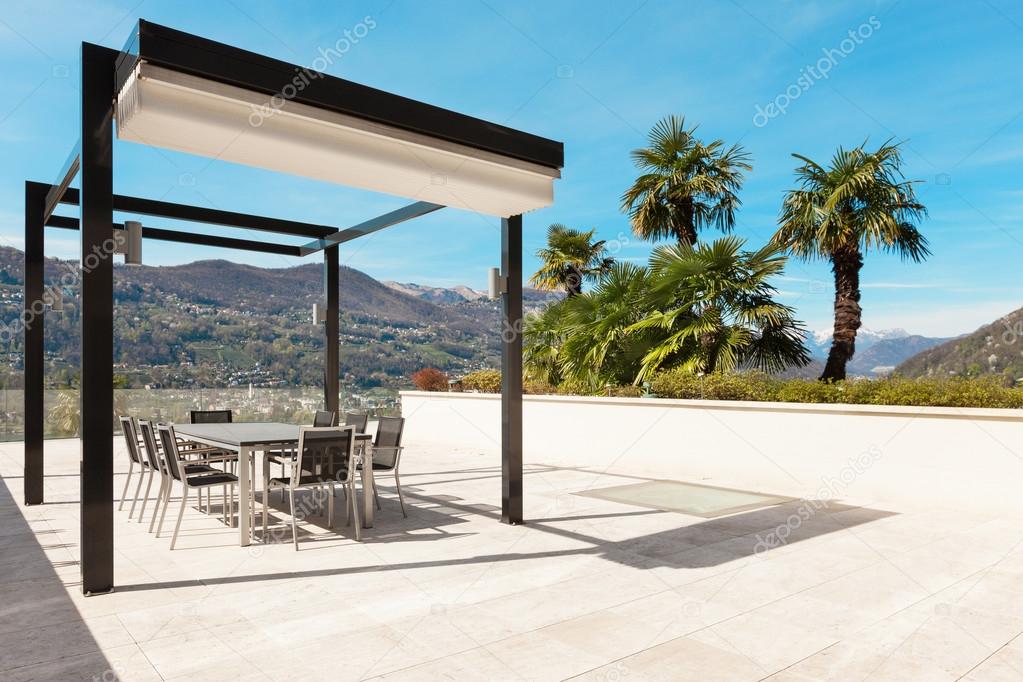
<point>314,527</point>
<point>43,634</point>
<point>705,543</point>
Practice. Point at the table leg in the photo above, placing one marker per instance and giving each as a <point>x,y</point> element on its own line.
<point>368,508</point>
<point>244,495</point>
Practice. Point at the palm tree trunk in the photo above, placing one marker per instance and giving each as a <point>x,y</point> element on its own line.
<point>573,282</point>
<point>846,263</point>
<point>686,232</point>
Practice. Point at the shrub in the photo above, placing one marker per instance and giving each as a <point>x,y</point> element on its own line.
<point>954,392</point>
<point>538,388</point>
<point>483,381</point>
<point>754,386</point>
<point>430,379</point>
<point>716,386</point>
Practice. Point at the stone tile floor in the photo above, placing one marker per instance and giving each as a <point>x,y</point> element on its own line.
<point>587,589</point>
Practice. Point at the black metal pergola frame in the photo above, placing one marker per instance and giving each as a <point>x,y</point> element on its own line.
<point>103,71</point>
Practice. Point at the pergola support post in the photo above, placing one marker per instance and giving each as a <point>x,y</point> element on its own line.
<point>35,206</point>
<point>97,350</point>
<point>511,371</point>
<point>331,285</point>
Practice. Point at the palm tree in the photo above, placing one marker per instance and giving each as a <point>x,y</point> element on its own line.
<point>65,415</point>
<point>862,202</point>
<point>686,185</point>
<point>598,347</point>
<point>712,307</point>
<point>542,340</point>
<point>570,257</point>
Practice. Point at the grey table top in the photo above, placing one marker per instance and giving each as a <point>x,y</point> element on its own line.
<point>246,434</point>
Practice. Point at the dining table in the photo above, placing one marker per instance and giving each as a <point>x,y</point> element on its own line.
<point>248,438</point>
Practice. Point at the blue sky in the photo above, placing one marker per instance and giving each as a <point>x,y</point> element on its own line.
<point>943,77</point>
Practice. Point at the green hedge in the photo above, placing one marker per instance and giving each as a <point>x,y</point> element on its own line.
<point>959,392</point>
<point>892,391</point>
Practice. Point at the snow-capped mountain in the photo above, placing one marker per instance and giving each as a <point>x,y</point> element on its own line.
<point>437,294</point>
<point>877,352</point>
<point>819,342</point>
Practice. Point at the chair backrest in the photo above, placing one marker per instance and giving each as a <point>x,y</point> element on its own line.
<point>131,439</point>
<point>325,418</point>
<point>327,452</point>
<point>170,450</point>
<point>149,442</point>
<point>388,441</point>
<point>358,420</point>
<point>210,416</point>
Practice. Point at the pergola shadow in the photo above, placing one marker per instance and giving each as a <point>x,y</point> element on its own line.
<point>35,609</point>
<point>704,544</point>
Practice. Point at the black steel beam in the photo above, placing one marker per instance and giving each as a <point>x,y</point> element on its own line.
<point>160,234</point>
<point>331,364</point>
<point>210,216</point>
<point>67,174</point>
<point>35,201</point>
<point>420,208</point>
<point>97,307</point>
<point>192,54</point>
<point>511,371</point>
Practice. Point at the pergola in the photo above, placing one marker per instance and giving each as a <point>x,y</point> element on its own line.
<point>175,90</point>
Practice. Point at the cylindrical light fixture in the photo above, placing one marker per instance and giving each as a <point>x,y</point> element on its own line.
<point>497,284</point>
<point>133,242</point>
<point>319,313</point>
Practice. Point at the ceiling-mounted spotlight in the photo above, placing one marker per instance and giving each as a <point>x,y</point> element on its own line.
<point>131,243</point>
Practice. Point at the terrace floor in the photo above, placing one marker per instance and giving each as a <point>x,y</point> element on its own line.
<point>588,588</point>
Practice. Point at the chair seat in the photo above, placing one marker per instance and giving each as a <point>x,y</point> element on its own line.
<point>382,467</point>
<point>200,469</point>
<point>211,479</point>
<point>285,481</point>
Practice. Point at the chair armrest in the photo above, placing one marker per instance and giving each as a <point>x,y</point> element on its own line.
<point>396,449</point>
<point>209,455</point>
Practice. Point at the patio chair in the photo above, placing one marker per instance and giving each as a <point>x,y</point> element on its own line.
<point>325,455</point>
<point>178,471</point>
<point>387,453</point>
<point>210,416</point>
<point>134,461</point>
<point>357,419</point>
<point>321,418</point>
<point>324,418</point>
<point>158,464</point>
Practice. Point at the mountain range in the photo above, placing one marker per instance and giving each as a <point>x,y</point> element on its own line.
<point>222,323</point>
<point>994,349</point>
<point>877,352</point>
<point>217,321</point>
<point>455,294</point>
